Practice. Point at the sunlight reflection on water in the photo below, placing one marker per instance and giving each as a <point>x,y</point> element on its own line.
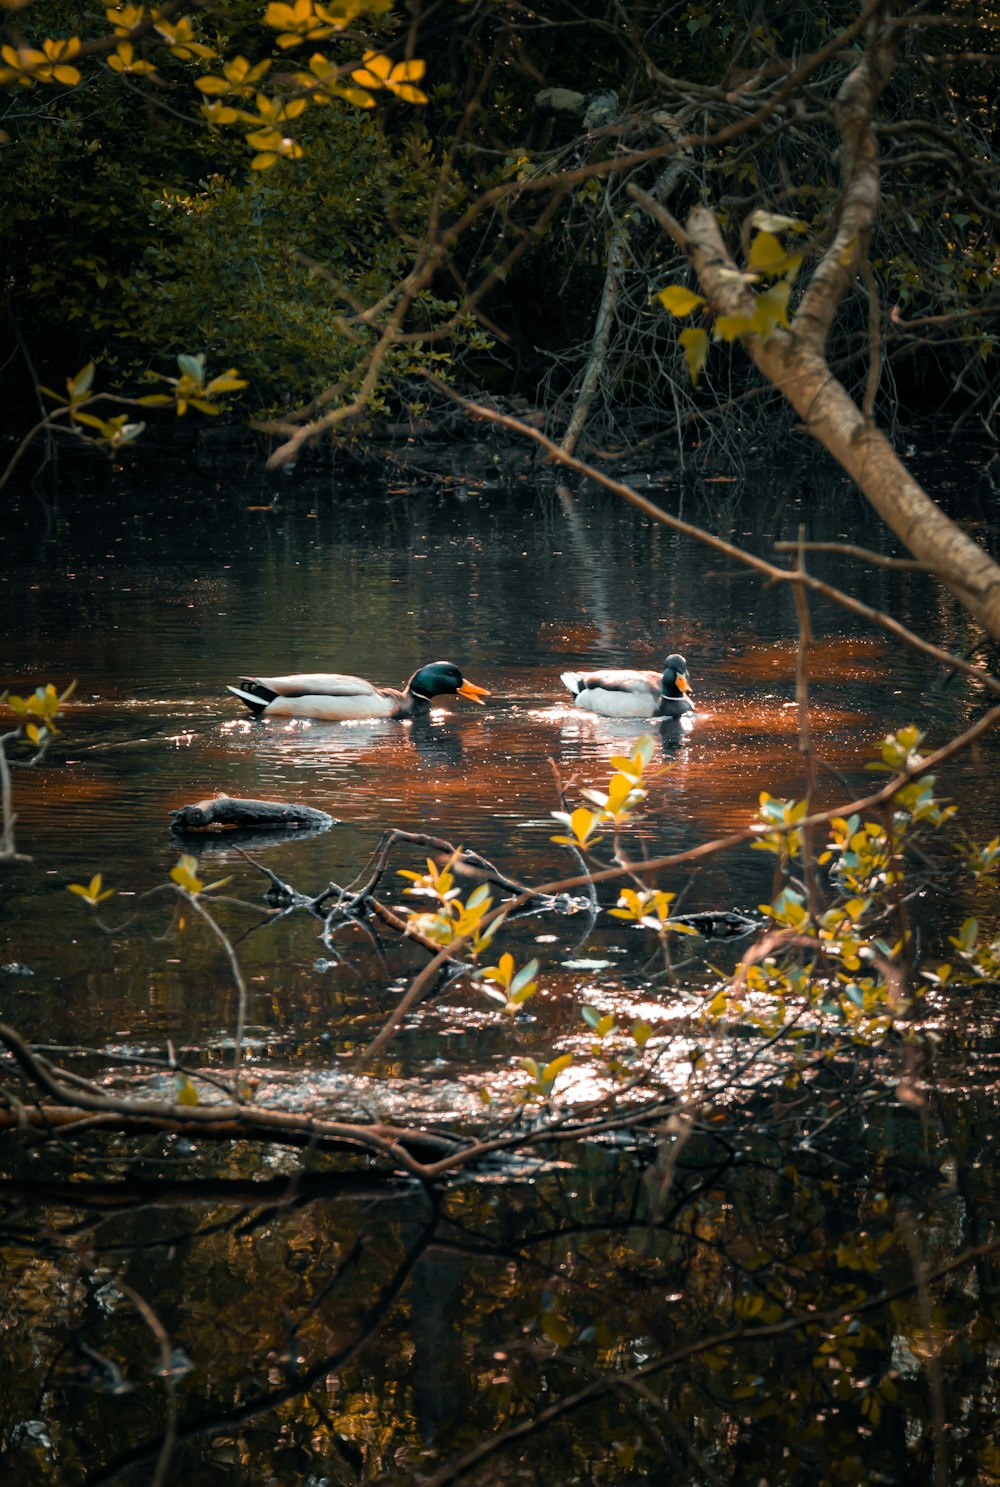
<point>515,589</point>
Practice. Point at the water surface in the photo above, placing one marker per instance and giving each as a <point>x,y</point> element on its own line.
<point>328,1329</point>
<point>154,614</point>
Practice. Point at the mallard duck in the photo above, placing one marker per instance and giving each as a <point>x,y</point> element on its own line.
<point>633,694</point>
<point>329,696</point>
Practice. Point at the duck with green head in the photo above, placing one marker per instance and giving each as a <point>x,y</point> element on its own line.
<point>633,694</point>
<point>334,698</point>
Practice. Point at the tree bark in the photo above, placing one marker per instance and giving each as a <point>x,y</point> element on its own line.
<point>599,344</point>
<point>794,359</point>
<point>791,362</point>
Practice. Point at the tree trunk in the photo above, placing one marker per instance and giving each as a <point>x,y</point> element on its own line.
<point>599,343</point>
<point>794,360</point>
<point>802,374</point>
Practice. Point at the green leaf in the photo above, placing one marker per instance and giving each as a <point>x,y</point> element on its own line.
<point>193,366</point>
<point>966,938</point>
<point>80,385</point>
<point>524,975</point>
<point>556,1330</point>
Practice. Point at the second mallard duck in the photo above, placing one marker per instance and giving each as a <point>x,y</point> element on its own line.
<point>633,694</point>
<point>333,698</point>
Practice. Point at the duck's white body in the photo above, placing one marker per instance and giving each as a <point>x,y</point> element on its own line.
<point>620,693</point>
<point>328,695</point>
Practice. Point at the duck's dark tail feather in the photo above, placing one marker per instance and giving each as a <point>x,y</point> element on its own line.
<point>256,699</point>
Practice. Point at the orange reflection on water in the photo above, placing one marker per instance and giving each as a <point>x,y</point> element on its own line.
<point>844,656</point>
<point>562,639</point>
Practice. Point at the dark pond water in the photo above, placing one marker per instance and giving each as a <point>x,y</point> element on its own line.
<point>298,1364</point>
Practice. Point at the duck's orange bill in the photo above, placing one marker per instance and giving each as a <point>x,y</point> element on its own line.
<point>683,683</point>
<point>474,693</point>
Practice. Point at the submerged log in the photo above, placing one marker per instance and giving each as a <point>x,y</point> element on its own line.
<point>718,924</point>
<point>232,813</point>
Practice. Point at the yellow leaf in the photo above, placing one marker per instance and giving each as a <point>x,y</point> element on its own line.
<point>619,790</point>
<point>374,70</point>
<point>184,874</point>
<point>357,96</point>
<point>80,385</point>
<point>265,139</point>
<point>582,823</point>
<point>695,343</point>
<point>408,93</point>
<point>92,893</point>
<point>408,72</point>
<point>219,113</point>
<point>678,300</point>
<point>228,382</point>
<point>766,253</point>
<point>552,1071</point>
<point>771,308</point>
<point>728,327</point>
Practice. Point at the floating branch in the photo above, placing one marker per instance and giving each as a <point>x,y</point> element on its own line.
<point>232,813</point>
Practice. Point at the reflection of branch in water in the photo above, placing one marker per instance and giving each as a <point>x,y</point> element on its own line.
<point>370,1325</point>
<point>98,1200</point>
<point>769,571</point>
<point>596,595</point>
<point>741,1334</point>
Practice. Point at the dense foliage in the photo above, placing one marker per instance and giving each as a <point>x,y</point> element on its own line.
<point>259,188</point>
<point>134,230</point>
